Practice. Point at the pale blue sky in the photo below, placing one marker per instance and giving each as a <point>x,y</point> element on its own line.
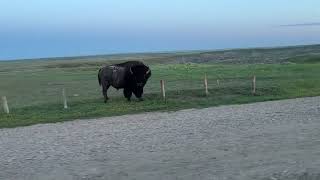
<point>43,28</point>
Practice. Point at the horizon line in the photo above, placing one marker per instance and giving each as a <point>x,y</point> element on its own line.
<point>301,24</point>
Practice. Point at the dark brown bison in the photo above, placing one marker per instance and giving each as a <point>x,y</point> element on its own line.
<point>130,76</point>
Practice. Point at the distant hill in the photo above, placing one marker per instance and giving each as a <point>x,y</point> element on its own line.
<point>230,56</point>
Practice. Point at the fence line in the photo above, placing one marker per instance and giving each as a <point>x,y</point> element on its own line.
<point>65,104</point>
<point>254,85</point>
<point>206,84</point>
<point>5,104</point>
<point>163,90</point>
<point>205,80</point>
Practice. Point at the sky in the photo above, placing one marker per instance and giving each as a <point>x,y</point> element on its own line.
<point>56,28</point>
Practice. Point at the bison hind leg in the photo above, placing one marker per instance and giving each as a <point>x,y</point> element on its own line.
<point>127,94</point>
<point>106,98</point>
<point>105,87</point>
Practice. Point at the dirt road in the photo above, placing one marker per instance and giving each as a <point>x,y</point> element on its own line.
<point>270,140</point>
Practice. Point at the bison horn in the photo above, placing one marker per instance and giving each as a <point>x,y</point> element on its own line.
<point>131,71</point>
<point>148,71</point>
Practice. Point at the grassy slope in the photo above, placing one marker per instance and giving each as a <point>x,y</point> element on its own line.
<point>34,88</point>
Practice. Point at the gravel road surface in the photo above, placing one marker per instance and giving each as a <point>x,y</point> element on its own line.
<point>267,141</point>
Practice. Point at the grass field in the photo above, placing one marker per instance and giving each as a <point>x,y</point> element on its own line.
<point>33,87</point>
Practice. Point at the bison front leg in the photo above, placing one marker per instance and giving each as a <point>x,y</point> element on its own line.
<point>127,94</point>
<point>138,93</point>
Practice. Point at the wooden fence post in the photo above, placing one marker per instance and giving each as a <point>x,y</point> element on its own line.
<point>65,104</point>
<point>254,85</point>
<point>163,91</point>
<point>206,84</point>
<point>5,104</point>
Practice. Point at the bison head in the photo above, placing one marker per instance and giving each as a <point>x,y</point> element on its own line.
<point>140,74</point>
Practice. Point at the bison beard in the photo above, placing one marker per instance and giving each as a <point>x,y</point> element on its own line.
<point>130,76</point>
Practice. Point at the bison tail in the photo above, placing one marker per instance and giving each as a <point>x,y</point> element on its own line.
<point>99,78</point>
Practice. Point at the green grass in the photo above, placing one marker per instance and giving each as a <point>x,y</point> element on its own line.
<point>305,59</point>
<point>33,89</point>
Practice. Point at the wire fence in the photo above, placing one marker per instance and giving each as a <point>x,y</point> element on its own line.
<point>161,85</point>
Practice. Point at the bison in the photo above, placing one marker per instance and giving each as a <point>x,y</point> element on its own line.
<point>130,76</point>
